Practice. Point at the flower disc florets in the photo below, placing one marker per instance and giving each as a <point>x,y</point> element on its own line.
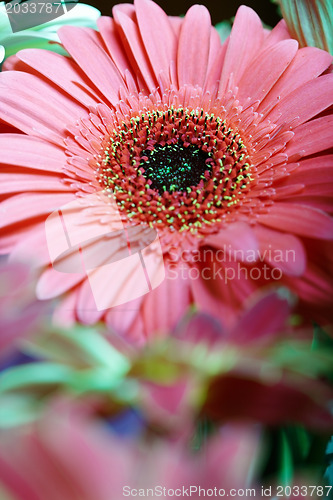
<point>175,166</point>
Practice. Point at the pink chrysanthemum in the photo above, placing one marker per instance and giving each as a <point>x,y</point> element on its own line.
<point>223,149</point>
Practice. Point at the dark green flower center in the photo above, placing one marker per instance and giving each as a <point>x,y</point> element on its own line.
<point>175,167</point>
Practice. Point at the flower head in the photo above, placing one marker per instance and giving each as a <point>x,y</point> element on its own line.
<point>220,148</point>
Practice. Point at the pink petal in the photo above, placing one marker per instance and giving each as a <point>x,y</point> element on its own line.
<point>212,299</point>
<point>14,234</point>
<point>164,306</point>
<point>299,106</point>
<point>264,320</point>
<point>62,71</point>
<point>312,170</point>
<point>16,183</point>
<point>308,63</point>
<point>21,207</point>
<point>282,251</point>
<point>32,248</point>
<point>269,66</point>
<point>214,69</point>
<point>16,482</point>
<point>53,283</point>
<point>245,42</point>
<point>86,309</point>
<point>311,137</point>
<point>107,28</point>
<point>169,397</point>
<point>193,51</point>
<point>200,327</point>
<point>131,39</point>
<point>279,32</point>
<point>65,313</point>
<point>121,318</point>
<point>298,219</point>
<point>322,203</point>
<point>237,239</point>
<point>85,46</point>
<point>31,152</point>
<point>35,107</point>
<point>153,21</point>
<point>176,23</point>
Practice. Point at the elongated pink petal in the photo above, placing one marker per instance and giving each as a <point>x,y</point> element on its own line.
<point>269,66</point>
<point>153,21</point>
<point>108,31</point>
<point>130,36</point>
<point>18,233</point>
<point>278,33</point>
<point>32,248</point>
<point>84,47</point>
<point>31,152</point>
<point>214,70</point>
<point>193,51</point>
<point>53,283</point>
<point>85,305</point>
<point>214,47</point>
<point>165,305</point>
<point>16,183</point>
<point>63,72</point>
<point>25,206</point>
<point>20,486</point>
<point>245,41</point>
<point>299,106</point>
<point>311,138</point>
<point>322,203</point>
<point>236,239</point>
<point>65,314</point>
<point>313,171</point>
<point>282,251</point>
<point>176,23</point>
<point>298,73</point>
<point>299,219</point>
<point>122,318</point>
<point>266,319</point>
<point>35,107</point>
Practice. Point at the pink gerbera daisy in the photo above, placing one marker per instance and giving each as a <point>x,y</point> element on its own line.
<point>220,148</point>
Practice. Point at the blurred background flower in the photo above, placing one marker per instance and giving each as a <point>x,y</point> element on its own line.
<point>310,22</point>
<point>21,314</point>
<point>43,36</point>
<point>259,370</point>
<point>71,456</point>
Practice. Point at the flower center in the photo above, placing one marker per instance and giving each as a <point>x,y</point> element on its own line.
<point>174,167</point>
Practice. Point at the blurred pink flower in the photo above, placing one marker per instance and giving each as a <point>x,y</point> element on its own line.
<point>20,311</point>
<point>258,369</point>
<point>74,458</point>
<point>217,147</point>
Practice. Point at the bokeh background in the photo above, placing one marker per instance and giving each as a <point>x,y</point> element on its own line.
<point>220,10</point>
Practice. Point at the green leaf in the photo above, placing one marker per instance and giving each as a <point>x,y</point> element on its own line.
<point>223,29</point>
<point>286,461</point>
<point>80,347</point>
<point>18,409</point>
<point>34,374</point>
